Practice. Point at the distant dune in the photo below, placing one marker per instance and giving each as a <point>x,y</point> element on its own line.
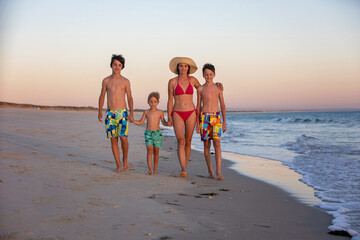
<point>23,105</point>
<point>42,107</point>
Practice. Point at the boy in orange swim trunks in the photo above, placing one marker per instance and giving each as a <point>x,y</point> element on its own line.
<point>209,123</point>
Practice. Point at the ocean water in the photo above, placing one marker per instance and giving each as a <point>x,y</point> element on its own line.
<point>324,147</point>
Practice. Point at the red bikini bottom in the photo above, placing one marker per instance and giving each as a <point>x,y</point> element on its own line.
<point>184,114</point>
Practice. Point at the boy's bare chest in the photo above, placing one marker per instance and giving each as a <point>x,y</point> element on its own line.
<point>115,85</point>
<point>209,92</point>
<point>152,115</point>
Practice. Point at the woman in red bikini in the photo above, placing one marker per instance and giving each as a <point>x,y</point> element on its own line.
<point>181,109</point>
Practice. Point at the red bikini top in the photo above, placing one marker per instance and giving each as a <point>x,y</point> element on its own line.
<point>180,91</point>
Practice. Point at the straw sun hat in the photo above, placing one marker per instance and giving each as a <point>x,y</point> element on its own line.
<point>176,60</point>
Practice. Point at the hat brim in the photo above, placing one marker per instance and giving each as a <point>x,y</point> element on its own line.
<point>176,60</point>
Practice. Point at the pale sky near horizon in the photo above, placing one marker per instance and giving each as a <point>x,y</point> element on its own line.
<point>300,54</point>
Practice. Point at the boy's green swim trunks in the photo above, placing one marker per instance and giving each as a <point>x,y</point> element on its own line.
<point>153,137</point>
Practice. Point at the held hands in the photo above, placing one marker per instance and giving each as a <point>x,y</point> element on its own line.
<point>170,122</point>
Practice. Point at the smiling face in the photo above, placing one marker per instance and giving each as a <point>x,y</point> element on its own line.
<point>208,75</point>
<point>116,66</point>
<point>183,69</point>
<point>153,102</point>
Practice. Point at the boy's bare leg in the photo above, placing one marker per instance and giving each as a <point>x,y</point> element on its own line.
<point>125,149</point>
<point>149,155</point>
<point>207,145</point>
<point>156,159</point>
<point>116,153</point>
<point>217,147</point>
<point>179,133</point>
<point>189,130</point>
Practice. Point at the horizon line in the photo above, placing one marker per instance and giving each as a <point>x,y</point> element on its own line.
<point>234,110</point>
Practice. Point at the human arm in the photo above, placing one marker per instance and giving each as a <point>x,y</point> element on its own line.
<point>102,99</point>
<point>198,108</point>
<point>163,121</point>
<point>223,110</point>
<point>170,103</point>
<point>141,121</point>
<point>195,82</point>
<point>130,101</point>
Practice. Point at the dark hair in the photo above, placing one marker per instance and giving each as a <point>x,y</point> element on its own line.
<point>120,58</point>
<point>208,66</point>
<point>177,69</point>
<point>155,95</point>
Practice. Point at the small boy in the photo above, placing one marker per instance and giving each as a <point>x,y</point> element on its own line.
<point>153,135</point>
<point>209,123</point>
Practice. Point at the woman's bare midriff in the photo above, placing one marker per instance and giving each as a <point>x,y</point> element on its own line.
<point>184,103</point>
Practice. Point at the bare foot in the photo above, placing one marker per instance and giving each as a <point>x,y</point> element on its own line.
<point>220,178</point>
<point>183,174</point>
<point>126,167</point>
<point>150,172</point>
<point>118,170</point>
<point>211,175</point>
<point>156,172</point>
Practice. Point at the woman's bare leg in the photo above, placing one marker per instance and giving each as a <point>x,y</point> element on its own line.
<point>189,130</point>
<point>179,133</point>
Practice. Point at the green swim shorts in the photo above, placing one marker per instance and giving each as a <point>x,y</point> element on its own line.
<point>153,137</point>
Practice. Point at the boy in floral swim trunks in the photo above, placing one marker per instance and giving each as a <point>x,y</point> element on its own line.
<point>116,87</point>
<point>209,123</point>
<point>153,135</point>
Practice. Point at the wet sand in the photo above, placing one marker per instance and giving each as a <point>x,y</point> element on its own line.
<point>56,182</point>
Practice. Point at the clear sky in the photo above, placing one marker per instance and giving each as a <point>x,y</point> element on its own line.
<point>280,54</point>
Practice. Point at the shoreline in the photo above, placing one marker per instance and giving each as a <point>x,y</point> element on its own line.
<point>57,182</point>
<point>272,172</point>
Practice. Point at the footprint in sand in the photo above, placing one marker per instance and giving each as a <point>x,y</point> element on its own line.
<point>97,202</point>
<point>116,226</point>
<point>165,237</point>
<point>65,219</point>
<point>171,211</point>
<point>208,194</point>
<point>157,223</point>
<point>9,236</point>
<point>41,201</point>
<point>107,161</point>
<point>23,170</point>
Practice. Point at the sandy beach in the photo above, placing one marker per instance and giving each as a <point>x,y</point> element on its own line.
<point>56,182</point>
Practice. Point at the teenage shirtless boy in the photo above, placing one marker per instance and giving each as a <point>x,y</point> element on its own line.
<point>209,123</point>
<point>115,87</point>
